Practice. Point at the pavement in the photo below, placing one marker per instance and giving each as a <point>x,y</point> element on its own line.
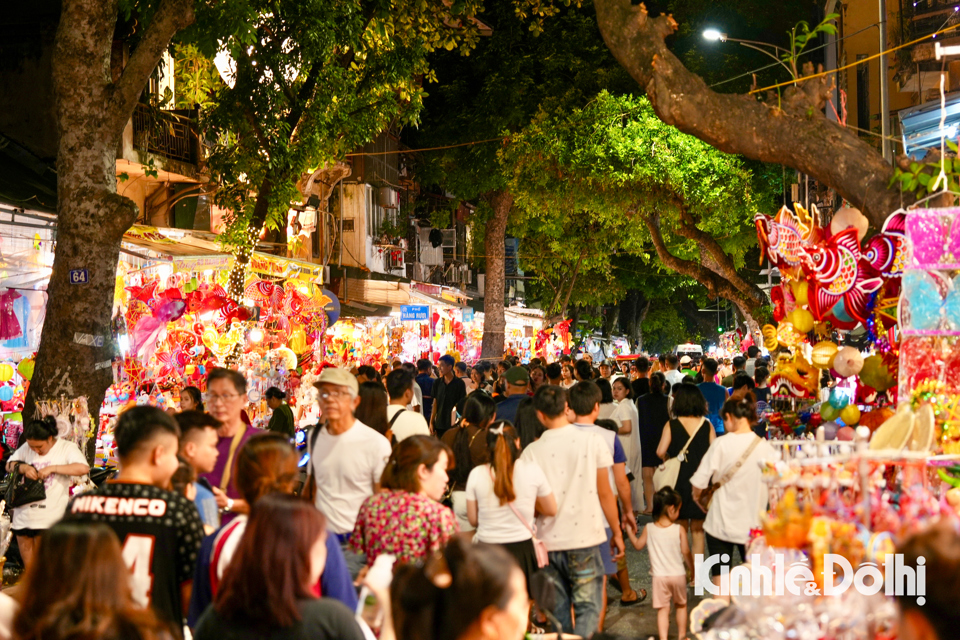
<point>639,620</point>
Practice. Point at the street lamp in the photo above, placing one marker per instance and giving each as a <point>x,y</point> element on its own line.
<point>714,35</point>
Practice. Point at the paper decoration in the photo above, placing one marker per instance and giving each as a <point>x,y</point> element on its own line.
<point>836,272</point>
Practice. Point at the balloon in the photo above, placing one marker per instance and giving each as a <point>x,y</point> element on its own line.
<point>25,368</point>
<point>850,415</point>
<point>823,354</point>
<point>802,320</point>
<point>828,412</point>
<point>6,393</point>
<point>6,372</point>
<point>848,362</point>
<point>849,217</point>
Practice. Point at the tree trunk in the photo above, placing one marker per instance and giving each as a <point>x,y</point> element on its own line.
<point>790,130</point>
<point>494,282</point>
<point>76,346</point>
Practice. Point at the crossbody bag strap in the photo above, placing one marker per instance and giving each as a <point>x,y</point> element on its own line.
<point>314,434</point>
<point>395,416</point>
<point>690,439</point>
<point>732,471</point>
<point>516,512</point>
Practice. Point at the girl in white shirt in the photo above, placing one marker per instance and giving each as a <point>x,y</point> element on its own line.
<point>666,542</point>
<point>503,496</point>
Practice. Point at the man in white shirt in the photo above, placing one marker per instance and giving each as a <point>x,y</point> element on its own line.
<point>348,458</point>
<point>576,463</point>
<point>672,373</point>
<point>751,365</point>
<point>583,399</point>
<point>403,422</point>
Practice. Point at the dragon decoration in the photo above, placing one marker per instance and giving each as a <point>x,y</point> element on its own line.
<point>175,333</point>
<point>831,278</point>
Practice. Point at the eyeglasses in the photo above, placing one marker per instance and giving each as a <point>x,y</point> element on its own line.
<point>335,395</point>
<point>214,399</point>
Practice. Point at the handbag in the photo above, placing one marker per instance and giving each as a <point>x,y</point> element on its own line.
<point>21,490</point>
<point>667,473</point>
<point>706,496</point>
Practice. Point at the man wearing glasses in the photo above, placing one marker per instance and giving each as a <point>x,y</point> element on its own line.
<point>348,458</point>
<point>226,399</point>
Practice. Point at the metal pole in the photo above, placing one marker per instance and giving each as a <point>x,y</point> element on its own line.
<point>884,86</point>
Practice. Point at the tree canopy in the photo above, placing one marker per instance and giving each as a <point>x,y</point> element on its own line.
<point>611,178</point>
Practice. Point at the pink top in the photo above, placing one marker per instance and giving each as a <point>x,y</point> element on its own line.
<point>410,526</point>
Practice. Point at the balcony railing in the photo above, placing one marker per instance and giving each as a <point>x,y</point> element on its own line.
<point>166,133</point>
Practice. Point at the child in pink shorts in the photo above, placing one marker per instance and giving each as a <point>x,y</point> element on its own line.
<point>666,542</point>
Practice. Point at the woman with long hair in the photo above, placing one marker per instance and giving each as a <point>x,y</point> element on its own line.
<point>54,460</point>
<point>466,592</point>
<point>268,589</point>
<point>608,408</point>
<point>690,424</point>
<point>567,376</point>
<point>78,587</point>
<point>468,442</point>
<point>652,413</point>
<point>406,518</point>
<point>372,410</point>
<point>504,495</point>
<point>527,424</point>
<point>191,399</point>
<point>266,464</point>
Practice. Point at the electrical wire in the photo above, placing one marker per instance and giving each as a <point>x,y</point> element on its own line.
<point>776,64</point>
<point>858,62</point>
<point>449,146</point>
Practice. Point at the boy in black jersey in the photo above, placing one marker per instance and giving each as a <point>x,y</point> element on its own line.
<point>160,531</point>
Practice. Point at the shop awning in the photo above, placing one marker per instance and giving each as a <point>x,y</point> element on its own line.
<point>194,252</point>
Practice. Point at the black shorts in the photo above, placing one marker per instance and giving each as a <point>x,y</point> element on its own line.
<point>29,533</point>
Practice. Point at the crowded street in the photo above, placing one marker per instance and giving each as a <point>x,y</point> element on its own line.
<point>479,320</point>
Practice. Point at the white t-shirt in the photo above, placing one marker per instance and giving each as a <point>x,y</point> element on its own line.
<point>673,377</point>
<point>738,504</point>
<point>45,513</point>
<point>608,411</point>
<point>410,423</point>
<point>417,399</point>
<point>499,524</point>
<point>346,467</point>
<point>570,458</point>
<point>227,541</point>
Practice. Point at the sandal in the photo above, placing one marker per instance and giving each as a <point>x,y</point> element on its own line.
<point>641,596</point>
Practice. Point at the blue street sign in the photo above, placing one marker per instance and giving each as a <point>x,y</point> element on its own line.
<point>79,276</point>
<point>415,313</point>
<point>468,314</point>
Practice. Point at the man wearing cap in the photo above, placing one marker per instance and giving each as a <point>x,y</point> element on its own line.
<point>518,383</point>
<point>448,391</point>
<point>348,458</point>
<point>606,370</point>
<point>686,366</point>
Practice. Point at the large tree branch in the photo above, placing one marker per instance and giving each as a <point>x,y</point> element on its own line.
<point>170,17</point>
<point>792,131</point>
<point>717,285</point>
<point>687,228</point>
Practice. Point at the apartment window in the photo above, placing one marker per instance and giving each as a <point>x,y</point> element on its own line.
<point>863,93</point>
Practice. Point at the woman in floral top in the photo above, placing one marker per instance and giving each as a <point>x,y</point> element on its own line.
<point>406,518</point>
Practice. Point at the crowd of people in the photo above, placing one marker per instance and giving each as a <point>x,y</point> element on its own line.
<point>487,487</point>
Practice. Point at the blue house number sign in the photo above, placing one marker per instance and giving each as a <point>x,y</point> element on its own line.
<point>79,276</point>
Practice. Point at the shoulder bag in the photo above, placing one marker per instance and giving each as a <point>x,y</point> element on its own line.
<point>22,490</point>
<point>539,546</point>
<point>706,496</point>
<point>667,473</point>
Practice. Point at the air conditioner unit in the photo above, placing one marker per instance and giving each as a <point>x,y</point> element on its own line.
<point>450,275</point>
<point>449,238</point>
<point>388,198</point>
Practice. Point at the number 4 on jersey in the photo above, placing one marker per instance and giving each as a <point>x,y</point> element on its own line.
<point>138,556</point>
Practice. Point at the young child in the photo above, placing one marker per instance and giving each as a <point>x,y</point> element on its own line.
<point>666,542</point>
